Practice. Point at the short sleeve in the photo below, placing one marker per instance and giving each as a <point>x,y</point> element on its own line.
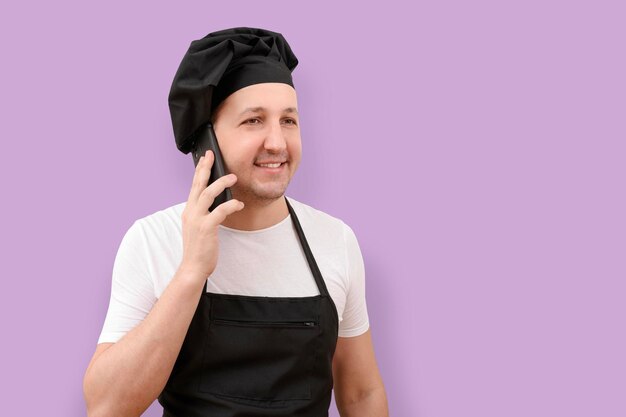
<point>132,289</point>
<point>355,319</point>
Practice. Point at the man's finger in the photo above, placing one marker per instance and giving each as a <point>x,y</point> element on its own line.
<point>224,210</point>
<point>201,177</point>
<point>209,194</point>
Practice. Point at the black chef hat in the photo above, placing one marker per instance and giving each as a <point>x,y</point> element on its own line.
<point>218,65</point>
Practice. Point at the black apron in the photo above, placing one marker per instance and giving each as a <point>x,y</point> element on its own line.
<point>248,356</point>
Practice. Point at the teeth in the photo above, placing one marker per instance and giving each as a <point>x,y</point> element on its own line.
<point>270,165</point>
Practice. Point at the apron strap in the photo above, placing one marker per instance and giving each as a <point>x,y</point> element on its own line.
<point>321,285</point>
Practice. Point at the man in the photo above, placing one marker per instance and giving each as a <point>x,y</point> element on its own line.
<point>236,311</point>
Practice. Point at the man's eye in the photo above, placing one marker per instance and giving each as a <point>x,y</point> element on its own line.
<point>290,121</point>
<point>252,121</point>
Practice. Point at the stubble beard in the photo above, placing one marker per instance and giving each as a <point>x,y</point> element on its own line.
<point>256,193</point>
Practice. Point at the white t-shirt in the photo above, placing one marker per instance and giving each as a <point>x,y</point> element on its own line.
<point>267,262</point>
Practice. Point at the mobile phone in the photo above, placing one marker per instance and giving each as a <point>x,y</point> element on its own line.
<point>204,138</point>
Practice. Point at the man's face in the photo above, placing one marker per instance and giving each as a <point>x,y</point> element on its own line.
<point>255,125</point>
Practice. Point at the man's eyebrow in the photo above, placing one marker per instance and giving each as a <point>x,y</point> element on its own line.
<point>260,108</point>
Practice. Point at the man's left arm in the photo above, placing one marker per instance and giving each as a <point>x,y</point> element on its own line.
<point>359,390</point>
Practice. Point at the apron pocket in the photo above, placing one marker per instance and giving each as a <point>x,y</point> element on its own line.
<point>259,360</point>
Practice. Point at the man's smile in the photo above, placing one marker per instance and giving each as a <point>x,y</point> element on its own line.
<point>271,168</point>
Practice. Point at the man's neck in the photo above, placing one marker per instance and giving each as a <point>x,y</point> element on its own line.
<point>258,216</point>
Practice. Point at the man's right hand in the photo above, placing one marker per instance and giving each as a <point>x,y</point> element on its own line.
<point>125,377</point>
<point>200,226</point>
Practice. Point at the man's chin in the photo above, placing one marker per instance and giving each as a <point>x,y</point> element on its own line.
<point>259,194</point>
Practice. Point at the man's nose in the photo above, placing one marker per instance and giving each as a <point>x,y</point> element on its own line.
<point>275,139</point>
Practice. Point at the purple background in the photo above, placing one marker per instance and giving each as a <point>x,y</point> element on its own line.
<point>476,148</point>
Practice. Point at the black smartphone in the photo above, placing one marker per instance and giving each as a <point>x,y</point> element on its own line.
<point>204,139</point>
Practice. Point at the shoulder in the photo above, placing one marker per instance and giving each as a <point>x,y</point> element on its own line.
<point>162,226</point>
<point>169,216</point>
<point>323,227</point>
<point>315,217</point>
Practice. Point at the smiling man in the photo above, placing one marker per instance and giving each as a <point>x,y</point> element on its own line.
<point>257,307</point>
